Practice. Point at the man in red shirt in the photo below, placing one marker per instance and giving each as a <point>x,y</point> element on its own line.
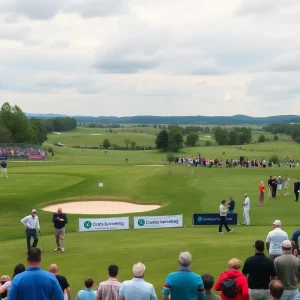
<point>261,194</point>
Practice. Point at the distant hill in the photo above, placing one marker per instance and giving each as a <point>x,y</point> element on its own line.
<point>219,120</point>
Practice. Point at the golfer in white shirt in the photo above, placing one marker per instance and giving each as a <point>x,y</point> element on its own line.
<point>275,239</point>
<point>246,208</point>
<point>32,225</point>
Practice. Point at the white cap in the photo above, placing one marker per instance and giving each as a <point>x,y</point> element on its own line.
<point>286,244</point>
<point>279,176</point>
<point>138,269</point>
<point>277,223</point>
<point>34,210</point>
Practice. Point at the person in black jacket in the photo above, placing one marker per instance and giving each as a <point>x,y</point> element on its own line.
<point>296,189</point>
<point>270,186</point>
<point>274,187</point>
<point>60,220</point>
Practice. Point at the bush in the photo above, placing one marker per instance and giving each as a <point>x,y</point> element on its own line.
<point>50,150</point>
<point>208,143</point>
<point>276,137</point>
<point>297,140</point>
<point>274,159</point>
<point>261,138</point>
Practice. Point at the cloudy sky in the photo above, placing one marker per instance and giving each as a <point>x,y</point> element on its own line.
<point>158,57</point>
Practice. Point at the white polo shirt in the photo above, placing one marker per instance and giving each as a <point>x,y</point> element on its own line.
<point>247,204</point>
<point>275,238</point>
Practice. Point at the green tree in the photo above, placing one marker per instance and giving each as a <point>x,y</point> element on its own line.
<point>207,130</point>
<point>162,140</point>
<point>221,135</point>
<point>106,144</point>
<point>233,137</point>
<point>208,143</point>
<point>175,138</point>
<point>50,149</point>
<point>133,144</point>
<point>127,142</point>
<point>192,139</point>
<point>5,135</point>
<point>276,137</point>
<point>261,138</point>
<point>274,158</point>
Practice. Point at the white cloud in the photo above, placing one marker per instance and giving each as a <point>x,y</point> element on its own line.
<point>164,57</point>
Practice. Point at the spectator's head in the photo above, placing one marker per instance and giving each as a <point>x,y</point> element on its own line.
<point>261,182</point>
<point>19,269</point>
<point>53,269</point>
<point>4,278</point>
<point>235,264</point>
<point>113,271</point>
<point>34,256</point>
<point>245,195</point>
<point>223,202</point>
<point>138,270</point>
<point>59,210</point>
<point>208,281</point>
<point>259,246</point>
<point>276,289</point>
<point>230,198</point>
<point>185,259</point>
<point>33,212</point>
<point>277,224</point>
<point>286,246</point>
<point>89,282</point>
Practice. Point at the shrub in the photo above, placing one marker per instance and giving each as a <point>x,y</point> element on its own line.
<point>274,159</point>
<point>50,150</point>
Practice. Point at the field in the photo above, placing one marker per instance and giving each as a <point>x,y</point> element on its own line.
<point>75,174</point>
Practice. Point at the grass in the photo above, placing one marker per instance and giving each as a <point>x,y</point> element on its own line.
<point>75,175</point>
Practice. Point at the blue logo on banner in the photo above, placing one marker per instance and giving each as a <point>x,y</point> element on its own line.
<point>213,219</point>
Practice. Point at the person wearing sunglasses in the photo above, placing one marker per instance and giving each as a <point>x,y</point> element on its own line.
<point>32,226</point>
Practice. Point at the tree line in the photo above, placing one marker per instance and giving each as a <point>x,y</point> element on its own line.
<point>15,127</point>
<point>290,129</point>
<point>232,136</point>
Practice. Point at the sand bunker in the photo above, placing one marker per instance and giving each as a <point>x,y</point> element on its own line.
<point>100,207</point>
<point>96,134</point>
<point>149,165</point>
<point>57,132</point>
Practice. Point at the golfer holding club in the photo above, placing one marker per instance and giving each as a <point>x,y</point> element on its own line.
<point>32,225</point>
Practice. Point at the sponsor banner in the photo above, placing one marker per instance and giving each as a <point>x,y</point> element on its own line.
<point>158,222</point>
<point>104,224</point>
<point>3,156</point>
<point>213,219</point>
<point>36,157</point>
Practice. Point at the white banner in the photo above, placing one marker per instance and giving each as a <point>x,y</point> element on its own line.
<point>158,222</point>
<point>103,224</point>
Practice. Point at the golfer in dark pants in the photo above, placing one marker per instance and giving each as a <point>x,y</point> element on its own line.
<point>296,189</point>
<point>32,226</point>
<point>223,213</point>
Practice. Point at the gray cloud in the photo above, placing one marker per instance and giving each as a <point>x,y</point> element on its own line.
<point>48,9</point>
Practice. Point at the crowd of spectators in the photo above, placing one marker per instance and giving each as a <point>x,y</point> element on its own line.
<point>260,278</point>
<point>21,152</point>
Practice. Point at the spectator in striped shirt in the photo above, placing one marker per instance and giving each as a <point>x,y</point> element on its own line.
<point>184,284</point>
<point>109,289</point>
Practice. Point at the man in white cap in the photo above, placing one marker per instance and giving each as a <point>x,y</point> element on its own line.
<point>275,239</point>
<point>246,210</point>
<point>32,225</point>
<point>137,288</point>
<point>288,271</point>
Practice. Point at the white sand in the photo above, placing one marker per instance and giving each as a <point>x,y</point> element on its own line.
<point>96,134</point>
<point>207,136</point>
<point>57,132</point>
<point>100,207</point>
<point>149,165</point>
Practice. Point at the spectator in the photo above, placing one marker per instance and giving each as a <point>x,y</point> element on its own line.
<point>137,288</point>
<point>231,206</point>
<point>261,194</point>
<point>296,242</point>
<point>276,289</point>
<point>88,293</point>
<point>232,283</point>
<point>275,239</point>
<point>109,290</point>
<point>5,288</point>
<point>62,280</point>
<point>279,185</point>
<point>259,269</point>
<point>288,271</point>
<point>35,283</point>
<point>3,291</point>
<point>246,208</point>
<point>208,281</point>
<point>183,284</point>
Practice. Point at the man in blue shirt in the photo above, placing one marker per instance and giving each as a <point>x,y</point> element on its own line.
<point>4,169</point>
<point>295,242</point>
<point>231,206</point>
<point>183,284</point>
<point>88,293</point>
<point>35,283</point>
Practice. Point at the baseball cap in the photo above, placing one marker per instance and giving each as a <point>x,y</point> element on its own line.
<point>34,210</point>
<point>286,244</point>
<point>277,223</point>
<point>138,269</point>
<point>279,177</point>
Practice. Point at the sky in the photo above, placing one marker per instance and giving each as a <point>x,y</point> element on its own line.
<point>158,57</point>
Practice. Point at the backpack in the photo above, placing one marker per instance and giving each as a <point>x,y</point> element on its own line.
<point>229,287</point>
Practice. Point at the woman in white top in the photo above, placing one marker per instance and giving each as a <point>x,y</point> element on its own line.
<point>6,286</point>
